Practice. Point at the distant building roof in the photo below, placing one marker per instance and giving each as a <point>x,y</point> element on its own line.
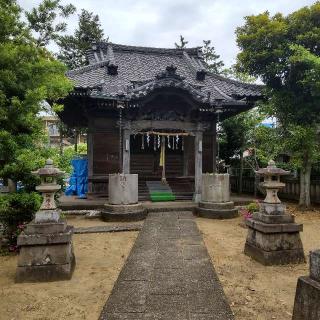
<point>129,72</point>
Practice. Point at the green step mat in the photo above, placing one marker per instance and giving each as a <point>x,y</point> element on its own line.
<point>162,196</point>
<point>159,191</point>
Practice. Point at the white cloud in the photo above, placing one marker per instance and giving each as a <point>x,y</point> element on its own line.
<point>160,22</point>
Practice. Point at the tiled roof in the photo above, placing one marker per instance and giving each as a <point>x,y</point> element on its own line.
<point>133,72</point>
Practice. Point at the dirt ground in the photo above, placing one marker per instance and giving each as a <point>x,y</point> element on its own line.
<point>99,259</point>
<point>256,292</point>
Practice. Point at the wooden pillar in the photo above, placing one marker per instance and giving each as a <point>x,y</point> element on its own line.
<point>126,151</point>
<point>214,146</point>
<point>90,160</point>
<point>186,155</point>
<point>198,166</point>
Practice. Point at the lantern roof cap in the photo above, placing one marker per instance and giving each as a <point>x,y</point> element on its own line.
<point>49,170</point>
<point>272,170</point>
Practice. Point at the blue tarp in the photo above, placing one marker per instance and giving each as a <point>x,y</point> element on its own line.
<point>78,183</point>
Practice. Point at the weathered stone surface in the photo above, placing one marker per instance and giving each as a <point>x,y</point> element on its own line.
<point>217,214</point>
<point>215,188</point>
<point>123,188</point>
<point>274,241</point>
<point>274,228</point>
<point>315,265</point>
<point>46,228</point>
<point>45,273</point>
<point>273,219</point>
<point>216,205</point>
<point>42,239</point>
<point>307,300</point>
<point>130,212</point>
<point>279,257</point>
<point>45,255</point>
<point>168,275</point>
<point>273,208</point>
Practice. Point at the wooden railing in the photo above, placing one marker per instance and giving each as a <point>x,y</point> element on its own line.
<point>291,190</point>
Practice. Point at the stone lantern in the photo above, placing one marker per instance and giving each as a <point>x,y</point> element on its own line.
<point>48,187</point>
<point>272,184</point>
<point>273,236</point>
<point>46,251</point>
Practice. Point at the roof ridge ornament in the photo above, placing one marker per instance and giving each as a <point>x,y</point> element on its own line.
<point>170,73</point>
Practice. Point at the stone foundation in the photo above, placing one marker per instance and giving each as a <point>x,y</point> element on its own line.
<point>212,210</point>
<point>274,239</point>
<point>125,213</point>
<point>46,253</point>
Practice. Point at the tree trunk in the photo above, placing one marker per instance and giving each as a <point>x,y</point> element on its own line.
<point>305,177</point>
<point>76,133</point>
<point>60,141</point>
<point>240,172</point>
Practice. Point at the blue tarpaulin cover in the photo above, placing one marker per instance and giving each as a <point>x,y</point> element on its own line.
<point>78,183</point>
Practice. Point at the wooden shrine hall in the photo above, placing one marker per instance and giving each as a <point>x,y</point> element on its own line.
<point>153,112</point>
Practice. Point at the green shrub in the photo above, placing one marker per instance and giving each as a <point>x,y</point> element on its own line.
<point>17,209</point>
<point>253,207</point>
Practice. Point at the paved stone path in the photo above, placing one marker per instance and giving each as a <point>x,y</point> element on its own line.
<point>103,229</point>
<point>168,275</point>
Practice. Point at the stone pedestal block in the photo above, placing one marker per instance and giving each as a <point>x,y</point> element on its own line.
<point>46,252</point>
<point>127,213</point>
<point>123,189</point>
<point>215,188</point>
<point>307,300</point>
<point>123,199</point>
<point>215,197</point>
<point>274,243</point>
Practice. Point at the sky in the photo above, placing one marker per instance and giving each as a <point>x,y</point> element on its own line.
<point>159,23</point>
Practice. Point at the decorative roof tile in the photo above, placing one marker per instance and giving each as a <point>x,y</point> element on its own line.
<point>141,69</point>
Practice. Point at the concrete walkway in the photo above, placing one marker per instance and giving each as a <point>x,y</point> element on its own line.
<point>168,275</point>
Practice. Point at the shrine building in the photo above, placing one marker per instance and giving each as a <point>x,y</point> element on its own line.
<point>154,112</point>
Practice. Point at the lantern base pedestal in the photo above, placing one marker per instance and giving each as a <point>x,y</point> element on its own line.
<point>46,253</point>
<point>216,210</point>
<point>274,244</point>
<point>123,212</point>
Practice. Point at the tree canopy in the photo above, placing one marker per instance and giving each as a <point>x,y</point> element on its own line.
<point>284,52</point>
<point>73,47</point>
<point>29,75</point>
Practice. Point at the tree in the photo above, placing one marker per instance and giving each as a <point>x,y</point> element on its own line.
<point>73,47</point>
<point>211,58</point>
<point>238,135</point>
<point>284,52</point>
<point>45,20</point>
<point>182,44</point>
<point>29,75</point>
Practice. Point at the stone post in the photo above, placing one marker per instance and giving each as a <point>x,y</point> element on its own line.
<point>46,251</point>
<point>215,197</point>
<point>198,166</point>
<point>126,152</point>
<point>123,202</point>
<point>307,300</point>
<point>273,236</point>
